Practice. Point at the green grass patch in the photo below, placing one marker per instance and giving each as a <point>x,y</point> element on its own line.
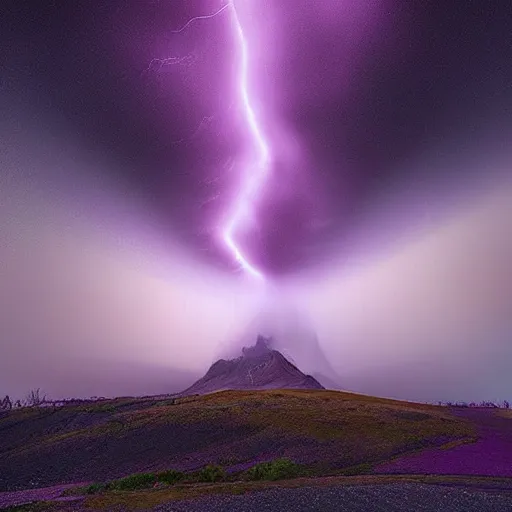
<point>170,477</point>
<point>211,473</point>
<point>94,488</point>
<point>278,469</point>
<point>140,481</point>
<point>133,482</point>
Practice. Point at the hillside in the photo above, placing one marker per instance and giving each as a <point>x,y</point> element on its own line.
<point>324,430</point>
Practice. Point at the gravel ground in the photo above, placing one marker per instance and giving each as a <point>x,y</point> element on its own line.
<point>363,498</point>
<point>368,498</point>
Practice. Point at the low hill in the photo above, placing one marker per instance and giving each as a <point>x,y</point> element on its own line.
<point>324,430</point>
<point>259,367</point>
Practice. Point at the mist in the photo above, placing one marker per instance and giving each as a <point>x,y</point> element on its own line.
<point>384,232</point>
<point>89,308</point>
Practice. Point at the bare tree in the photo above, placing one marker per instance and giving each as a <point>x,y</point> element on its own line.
<point>34,398</point>
<point>6,404</point>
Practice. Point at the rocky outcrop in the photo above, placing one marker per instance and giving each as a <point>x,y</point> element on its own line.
<point>289,331</point>
<point>259,367</point>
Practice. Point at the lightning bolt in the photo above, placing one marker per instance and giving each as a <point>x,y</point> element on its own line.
<point>205,17</point>
<point>256,171</point>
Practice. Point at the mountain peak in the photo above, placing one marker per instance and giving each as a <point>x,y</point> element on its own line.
<point>259,367</point>
<point>261,347</point>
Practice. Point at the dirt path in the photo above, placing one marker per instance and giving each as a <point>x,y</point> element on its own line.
<point>491,455</point>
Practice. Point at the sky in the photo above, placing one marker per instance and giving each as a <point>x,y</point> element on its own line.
<point>381,216</point>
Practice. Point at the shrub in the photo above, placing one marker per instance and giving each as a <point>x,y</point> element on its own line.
<point>95,488</point>
<point>211,473</point>
<point>134,482</point>
<point>171,476</point>
<point>274,470</point>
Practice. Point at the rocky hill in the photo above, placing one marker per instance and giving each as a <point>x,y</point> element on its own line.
<point>259,367</point>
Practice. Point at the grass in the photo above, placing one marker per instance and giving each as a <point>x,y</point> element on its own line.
<point>343,434</point>
<point>170,477</point>
<point>322,415</point>
<point>323,431</point>
<point>211,473</point>
<point>134,482</point>
<point>277,469</point>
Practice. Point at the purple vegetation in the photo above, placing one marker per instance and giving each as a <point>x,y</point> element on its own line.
<point>490,455</point>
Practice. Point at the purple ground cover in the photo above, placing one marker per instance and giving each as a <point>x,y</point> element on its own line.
<point>491,455</point>
<point>17,498</point>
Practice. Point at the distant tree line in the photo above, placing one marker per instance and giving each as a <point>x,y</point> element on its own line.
<point>493,405</point>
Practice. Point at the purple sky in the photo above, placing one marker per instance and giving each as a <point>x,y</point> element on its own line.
<point>385,217</point>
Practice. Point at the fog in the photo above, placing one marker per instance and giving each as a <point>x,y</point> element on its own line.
<point>384,229</point>
<point>94,306</point>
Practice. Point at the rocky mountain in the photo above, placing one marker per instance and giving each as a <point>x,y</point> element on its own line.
<point>259,367</point>
<point>289,331</point>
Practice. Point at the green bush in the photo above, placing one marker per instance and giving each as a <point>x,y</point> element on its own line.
<point>134,482</point>
<point>277,469</point>
<point>171,476</point>
<point>211,473</point>
<point>95,488</point>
